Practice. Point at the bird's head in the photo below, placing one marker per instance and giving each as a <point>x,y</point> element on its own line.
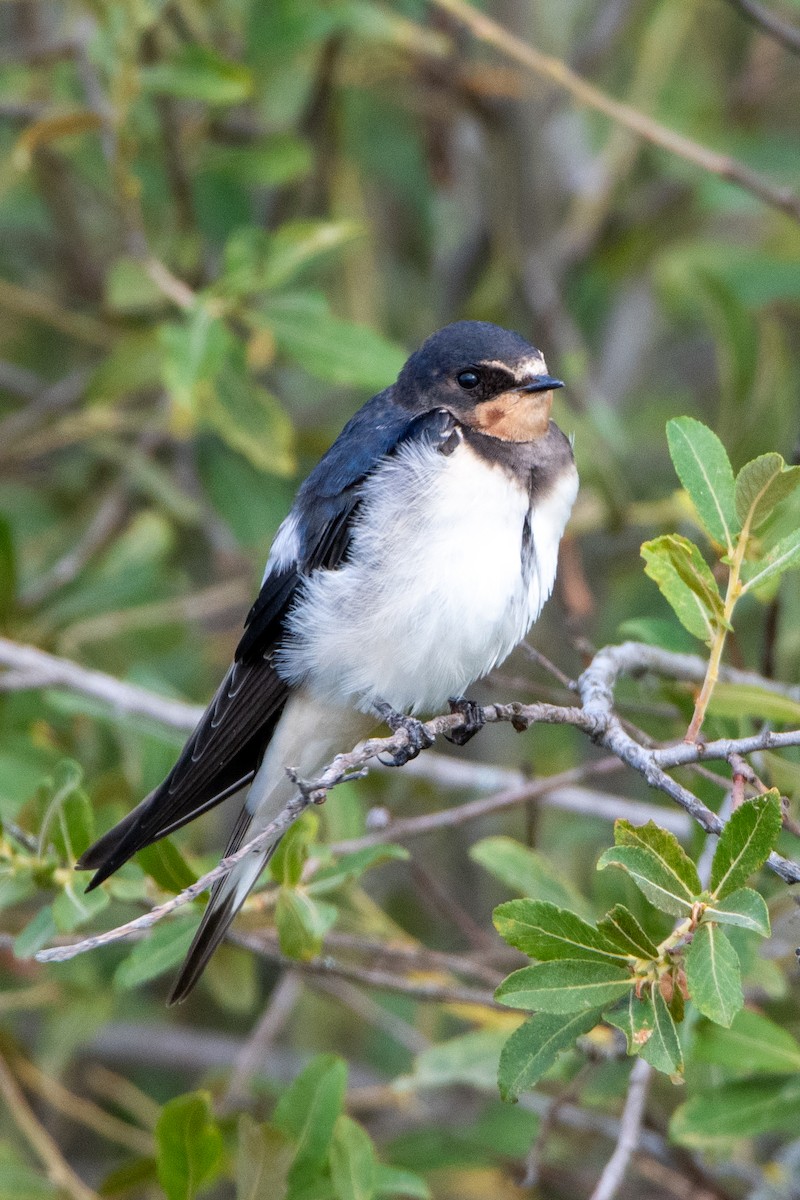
<point>486,376</point>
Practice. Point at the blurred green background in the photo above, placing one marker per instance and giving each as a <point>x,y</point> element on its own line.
<point>223,225</point>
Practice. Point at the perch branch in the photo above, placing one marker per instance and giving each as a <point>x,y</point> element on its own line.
<point>630,1128</point>
<point>595,717</point>
<point>558,73</point>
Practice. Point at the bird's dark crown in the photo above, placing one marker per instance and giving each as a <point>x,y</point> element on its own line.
<point>430,377</point>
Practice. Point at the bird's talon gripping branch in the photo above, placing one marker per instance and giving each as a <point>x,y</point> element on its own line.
<point>414,729</point>
<point>474,720</point>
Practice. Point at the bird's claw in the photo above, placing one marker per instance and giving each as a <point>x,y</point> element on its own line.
<point>417,734</point>
<point>473,722</point>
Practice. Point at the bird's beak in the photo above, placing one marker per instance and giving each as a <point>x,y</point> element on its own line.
<point>540,383</point>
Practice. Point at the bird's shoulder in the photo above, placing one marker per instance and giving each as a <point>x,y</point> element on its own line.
<point>317,531</point>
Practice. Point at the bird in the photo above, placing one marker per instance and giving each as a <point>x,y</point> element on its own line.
<point>416,556</point>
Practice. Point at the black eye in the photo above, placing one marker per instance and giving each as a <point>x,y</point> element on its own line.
<point>468,380</point>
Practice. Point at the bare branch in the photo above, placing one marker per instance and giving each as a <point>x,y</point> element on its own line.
<point>255,1050</point>
<point>596,718</point>
<point>382,981</point>
<point>769,23</point>
<point>558,73</point>
<point>85,1112</point>
<point>45,670</point>
<point>556,790</point>
<point>59,1172</point>
<point>630,1127</point>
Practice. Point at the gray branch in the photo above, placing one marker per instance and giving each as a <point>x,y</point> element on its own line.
<point>630,1128</point>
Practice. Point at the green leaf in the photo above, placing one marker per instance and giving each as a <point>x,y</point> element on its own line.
<point>195,350</point>
<point>189,1145</point>
<point>68,821</point>
<point>166,866</point>
<point>703,467</point>
<point>656,881</point>
<point>760,485</point>
<point>783,556</point>
<point>286,864</point>
<point>684,579</point>
<point>307,1112</point>
<point>352,1161</point>
<point>250,419</point>
<point>352,866</point>
<point>545,931</point>
<point>745,843</point>
<point>159,952</point>
<point>73,907</point>
<point>525,870</point>
<point>129,287</point>
<point>272,160</point>
<point>532,1049</point>
<point>232,978</point>
<point>263,1161</point>
<point>18,1181</point>
<point>621,929</point>
<point>650,1031</point>
<point>743,1109</point>
<point>302,923</point>
<point>564,986</point>
<point>199,74</point>
<point>713,975</point>
<point>745,908</point>
<point>255,261</point>
<point>470,1058</point>
<point>336,351</point>
<point>40,930</point>
<point>747,700</point>
<point>752,1045</point>
<point>656,631</point>
<point>227,477</point>
<point>394,1181</point>
<point>16,884</point>
<point>667,849</point>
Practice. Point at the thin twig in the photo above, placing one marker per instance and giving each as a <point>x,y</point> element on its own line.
<point>596,718</point>
<point>38,307</point>
<point>104,523</point>
<point>382,981</point>
<point>59,1172</point>
<point>254,1052</point>
<point>369,1010</point>
<point>85,1112</point>
<point>630,1127</point>
<point>558,73</point>
<point>770,23</point>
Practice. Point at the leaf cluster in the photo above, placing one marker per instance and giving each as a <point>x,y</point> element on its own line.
<point>310,1149</point>
<point>614,970</point>
<point>735,514</point>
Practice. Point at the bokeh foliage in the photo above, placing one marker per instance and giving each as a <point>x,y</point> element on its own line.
<point>222,226</point>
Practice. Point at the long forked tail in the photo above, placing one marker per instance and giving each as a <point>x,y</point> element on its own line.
<point>306,737</point>
<point>227,897</point>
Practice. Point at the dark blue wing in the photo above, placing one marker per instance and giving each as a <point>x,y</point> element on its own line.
<point>224,751</point>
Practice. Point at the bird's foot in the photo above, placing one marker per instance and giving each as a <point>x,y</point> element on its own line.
<point>417,734</point>
<point>474,720</point>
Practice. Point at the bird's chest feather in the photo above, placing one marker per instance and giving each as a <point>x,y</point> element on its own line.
<point>449,565</point>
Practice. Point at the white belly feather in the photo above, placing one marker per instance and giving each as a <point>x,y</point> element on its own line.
<point>434,595</point>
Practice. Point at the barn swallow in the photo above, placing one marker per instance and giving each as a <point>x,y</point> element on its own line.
<point>416,556</point>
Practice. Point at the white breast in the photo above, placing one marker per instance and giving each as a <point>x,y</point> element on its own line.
<point>434,595</point>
